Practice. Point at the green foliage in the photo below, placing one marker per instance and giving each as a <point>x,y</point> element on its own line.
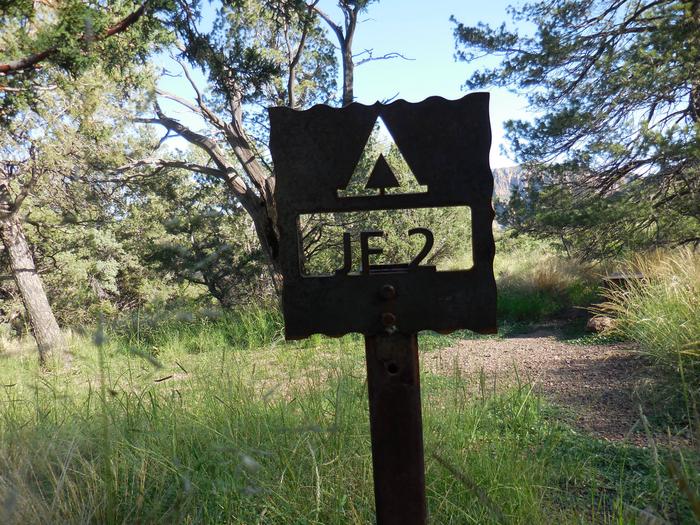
<point>198,234</point>
<point>246,52</point>
<point>661,312</point>
<point>86,244</point>
<point>72,37</point>
<point>617,89</point>
<point>594,227</point>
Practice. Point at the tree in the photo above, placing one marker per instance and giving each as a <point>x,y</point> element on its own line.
<point>44,326</point>
<point>47,46</point>
<point>198,233</point>
<point>76,217</point>
<point>345,34</point>
<point>589,227</point>
<point>258,53</point>
<point>616,84</point>
<point>71,36</point>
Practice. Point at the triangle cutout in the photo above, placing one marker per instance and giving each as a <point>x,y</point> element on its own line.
<point>382,177</point>
<point>382,169</point>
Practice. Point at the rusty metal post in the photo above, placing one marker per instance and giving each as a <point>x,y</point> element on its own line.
<point>396,429</point>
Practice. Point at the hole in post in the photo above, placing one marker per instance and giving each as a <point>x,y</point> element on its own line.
<point>392,368</point>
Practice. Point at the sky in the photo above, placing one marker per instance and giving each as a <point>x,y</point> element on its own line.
<point>422,32</point>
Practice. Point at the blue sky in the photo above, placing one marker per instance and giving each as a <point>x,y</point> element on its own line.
<point>421,31</point>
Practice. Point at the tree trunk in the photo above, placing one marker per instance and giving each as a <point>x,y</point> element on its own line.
<point>43,323</point>
<point>345,42</point>
<point>348,73</point>
<point>694,102</point>
<point>345,36</point>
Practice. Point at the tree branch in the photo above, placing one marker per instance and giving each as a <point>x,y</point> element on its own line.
<point>334,27</point>
<point>29,186</point>
<point>174,164</point>
<point>371,58</point>
<point>199,140</point>
<point>297,56</point>
<point>32,61</point>
<point>225,170</point>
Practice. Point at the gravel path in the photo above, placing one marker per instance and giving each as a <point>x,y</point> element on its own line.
<point>596,384</point>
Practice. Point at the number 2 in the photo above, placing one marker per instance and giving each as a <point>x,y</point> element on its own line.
<point>429,241</point>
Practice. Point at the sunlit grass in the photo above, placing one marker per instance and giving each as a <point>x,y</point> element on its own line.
<point>660,311</point>
<point>150,427</point>
<point>535,282</point>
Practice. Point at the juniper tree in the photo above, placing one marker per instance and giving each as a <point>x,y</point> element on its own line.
<point>46,47</point>
<point>258,53</point>
<point>615,85</point>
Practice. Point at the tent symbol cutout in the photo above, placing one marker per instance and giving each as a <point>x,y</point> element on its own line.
<point>382,178</point>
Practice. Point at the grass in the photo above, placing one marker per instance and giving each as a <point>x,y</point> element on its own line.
<point>536,283</point>
<point>574,332</point>
<point>190,422</point>
<point>661,311</point>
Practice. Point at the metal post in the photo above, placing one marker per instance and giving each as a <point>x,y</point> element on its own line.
<point>396,428</point>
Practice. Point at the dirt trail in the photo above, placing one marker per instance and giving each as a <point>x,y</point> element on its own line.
<point>597,383</point>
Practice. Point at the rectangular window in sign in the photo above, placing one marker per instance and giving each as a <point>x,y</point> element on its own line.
<point>363,242</point>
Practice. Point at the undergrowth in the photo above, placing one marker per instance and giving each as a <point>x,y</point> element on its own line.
<point>535,282</point>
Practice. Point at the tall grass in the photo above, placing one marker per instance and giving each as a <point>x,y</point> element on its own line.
<point>535,282</point>
<point>255,439</point>
<point>661,311</point>
<point>194,332</point>
<point>279,434</point>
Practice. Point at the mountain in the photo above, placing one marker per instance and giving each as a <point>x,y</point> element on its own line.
<point>505,180</point>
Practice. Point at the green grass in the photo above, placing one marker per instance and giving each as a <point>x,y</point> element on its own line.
<point>661,313</point>
<point>536,283</point>
<point>215,429</point>
<point>574,332</point>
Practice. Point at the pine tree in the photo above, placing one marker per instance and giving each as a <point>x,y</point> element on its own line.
<point>46,47</point>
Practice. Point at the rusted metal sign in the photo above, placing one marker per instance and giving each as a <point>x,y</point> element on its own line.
<point>446,145</point>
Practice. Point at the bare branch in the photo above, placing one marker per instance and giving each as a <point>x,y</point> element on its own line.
<point>296,57</point>
<point>9,89</point>
<point>30,184</point>
<point>175,98</point>
<point>371,58</point>
<point>199,140</point>
<point>225,170</point>
<point>334,27</point>
<point>173,164</point>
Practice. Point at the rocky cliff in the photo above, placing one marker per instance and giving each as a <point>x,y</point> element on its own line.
<point>504,181</point>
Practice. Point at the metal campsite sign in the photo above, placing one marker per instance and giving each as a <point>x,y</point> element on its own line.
<point>446,146</point>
